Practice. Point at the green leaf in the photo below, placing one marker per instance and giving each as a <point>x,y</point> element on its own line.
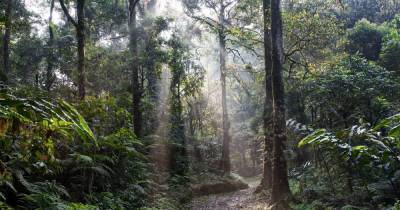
<point>312,137</point>
<point>387,122</point>
<point>359,148</point>
<point>395,131</point>
<point>82,158</point>
<point>80,124</point>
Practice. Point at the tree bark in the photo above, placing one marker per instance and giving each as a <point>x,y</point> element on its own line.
<point>50,57</point>
<point>266,181</point>
<point>136,91</point>
<point>6,41</point>
<point>225,159</point>
<point>153,88</point>
<point>280,186</point>
<point>179,159</point>
<point>80,36</point>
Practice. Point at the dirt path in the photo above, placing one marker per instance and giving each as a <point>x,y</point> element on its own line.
<point>243,199</point>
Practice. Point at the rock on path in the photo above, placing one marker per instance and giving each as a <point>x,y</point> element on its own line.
<point>243,199</point>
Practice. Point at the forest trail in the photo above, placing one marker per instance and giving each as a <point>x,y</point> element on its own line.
<point>242,199</point>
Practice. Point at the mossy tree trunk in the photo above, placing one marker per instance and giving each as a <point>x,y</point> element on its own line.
<point>80,37</point>
<point>6,40</point>
<point>134,66</point>
<point>266,181</point>
<point>50,56</point>
<point>225,159</point>
<point>280,185</point>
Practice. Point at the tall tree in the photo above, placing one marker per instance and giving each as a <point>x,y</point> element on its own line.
<point>6,41</point>
<point>134,66</point>
<point>266,181</point>
<point>80,36</point>
<point>153,56</point>
<point>50,56</point>
<point>179,162</point>
<point>280,184</point>
<point>225,160</point>
<point>220,22</point>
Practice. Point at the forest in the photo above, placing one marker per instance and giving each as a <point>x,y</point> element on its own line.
<point>200,104</point>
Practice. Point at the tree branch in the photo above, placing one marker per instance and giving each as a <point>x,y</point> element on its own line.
<point>69,17</point>
<point>208,21</point>
<point>135,2</point>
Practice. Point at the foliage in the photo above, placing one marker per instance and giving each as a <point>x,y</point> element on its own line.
<point>179,165</point>
<point>31,131</point>
<point>355,154</point>
<point>17,113</point>
<point>364,155</point>
<point>372,10</point>
<point>348,90</point>
<point>365,38</point>
<point>51,157</point>
<point>105,113</point>
<point>391,47</point>
<point>390,51</point>
<point>341,69</point>
<point>311,32</point>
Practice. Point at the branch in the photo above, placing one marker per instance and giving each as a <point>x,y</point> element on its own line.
<point>208,21</point>
<point>236,53</point>
<point>141,9</point>
<point>118,37</point>
<point>341,4</point>
<point>51,11</point>
<point>228,4</point>
<point>135,2</point>
<point>246,47</point>
<point>242,84</point>
<point>212,5</point>
<point>69,17</point>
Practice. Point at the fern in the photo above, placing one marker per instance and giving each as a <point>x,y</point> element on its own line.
<point>371,151</point>
<point>39,112</point>
<point>50,188</point>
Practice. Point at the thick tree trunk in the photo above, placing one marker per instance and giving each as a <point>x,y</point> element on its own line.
<point>136,91</point>
<point>266,181</point>
<point>153,87</point>
<point>280,186</point>
<point>225,160</point>
<point>179,163</point>
<point>6,41</point>
<point>80,35</point>
<point>50,56</point>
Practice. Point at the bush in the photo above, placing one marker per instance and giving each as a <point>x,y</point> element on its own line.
<point>50,158</point>
<point>365,38</point>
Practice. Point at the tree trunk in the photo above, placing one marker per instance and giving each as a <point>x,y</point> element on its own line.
<point>266,181</point>
<point>280,186</point>
<point>152,88</point>
<point>136,92</point>
<point>178,153</point>
<point>50,57</point>
<point>6,41</point>
<point>80,35</point>
<point>225,160</point>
